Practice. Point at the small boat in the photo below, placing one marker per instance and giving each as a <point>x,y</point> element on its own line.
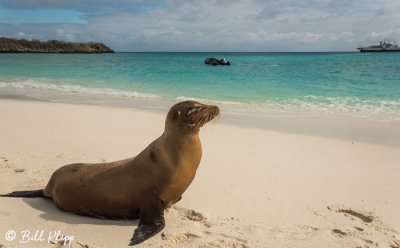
<point>214,61</point>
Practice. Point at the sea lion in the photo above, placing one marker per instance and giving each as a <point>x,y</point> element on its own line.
<point>139,187</point>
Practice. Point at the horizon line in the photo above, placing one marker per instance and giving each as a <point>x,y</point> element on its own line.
<point>355,51</point>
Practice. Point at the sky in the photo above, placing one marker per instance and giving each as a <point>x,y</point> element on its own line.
<point>206,25</point>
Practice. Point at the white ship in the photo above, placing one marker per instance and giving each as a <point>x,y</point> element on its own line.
<point>382,47</point>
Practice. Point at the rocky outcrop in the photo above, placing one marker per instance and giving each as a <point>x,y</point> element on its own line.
<point>8,45</point>
<point>214,61</point>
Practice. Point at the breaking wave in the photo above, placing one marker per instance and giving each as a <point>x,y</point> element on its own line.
<point>184,98</point>
<point>374,109</point>
<point>77,89</point>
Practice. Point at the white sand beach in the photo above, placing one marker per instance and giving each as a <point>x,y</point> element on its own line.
<point>254,187</point>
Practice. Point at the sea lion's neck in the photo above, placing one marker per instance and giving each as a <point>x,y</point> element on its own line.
<point>186,146</point>
<point>182,141</point>
<point>184,155</point>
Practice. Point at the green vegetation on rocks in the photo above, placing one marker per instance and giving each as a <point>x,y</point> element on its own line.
<point>8,45</point>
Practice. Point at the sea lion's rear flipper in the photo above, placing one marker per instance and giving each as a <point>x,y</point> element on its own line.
<point>28,193</point>
<point>151,221</point>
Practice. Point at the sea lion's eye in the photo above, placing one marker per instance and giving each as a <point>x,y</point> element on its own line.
<point>192,110</point>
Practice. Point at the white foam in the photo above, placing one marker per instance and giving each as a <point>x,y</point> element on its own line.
<point>184,98</point>
<point>32,84</point>
<point>375,109</point>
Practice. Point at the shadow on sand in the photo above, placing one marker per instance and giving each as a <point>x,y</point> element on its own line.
<point>51,212</point>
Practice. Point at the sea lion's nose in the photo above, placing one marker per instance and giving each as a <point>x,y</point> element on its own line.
<point>214,108</point>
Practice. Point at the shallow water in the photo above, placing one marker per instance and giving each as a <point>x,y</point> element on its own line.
<point>353,84</point>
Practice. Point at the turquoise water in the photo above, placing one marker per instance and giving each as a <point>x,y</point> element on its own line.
<point>358,84</point>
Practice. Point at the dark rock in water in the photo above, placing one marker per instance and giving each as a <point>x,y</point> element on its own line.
<point>8,45</point>
<point>214,61</point>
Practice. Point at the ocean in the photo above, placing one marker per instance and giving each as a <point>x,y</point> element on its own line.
<point>345,84</point>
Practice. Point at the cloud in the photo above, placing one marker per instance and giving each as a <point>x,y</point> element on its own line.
<point>22,35</point>
<point>64,35</point>
<point>211,25</point>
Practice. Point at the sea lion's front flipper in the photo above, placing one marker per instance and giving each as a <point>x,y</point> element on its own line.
<point>151,221</point>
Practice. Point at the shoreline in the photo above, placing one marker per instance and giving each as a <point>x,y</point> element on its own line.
<point>353,129</point>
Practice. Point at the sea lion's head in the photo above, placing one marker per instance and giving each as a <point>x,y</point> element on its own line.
<point>190,116</point>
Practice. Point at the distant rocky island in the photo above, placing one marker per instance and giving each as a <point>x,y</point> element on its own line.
<point>8,45</point>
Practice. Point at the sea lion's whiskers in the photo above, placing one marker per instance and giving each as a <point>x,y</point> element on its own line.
<point>198,122</point>
<point>201,119</point>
